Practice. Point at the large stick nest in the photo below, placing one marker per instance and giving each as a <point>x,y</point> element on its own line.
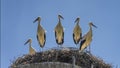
<point>83,59</point>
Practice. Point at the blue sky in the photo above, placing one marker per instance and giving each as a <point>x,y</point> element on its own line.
<point>17,26</point>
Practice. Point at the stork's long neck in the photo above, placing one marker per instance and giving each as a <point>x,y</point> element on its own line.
<point>78,23</point>
<point>29,46</point>
<point>38,22</point>
<point>39,26</point>
<point>59,21</point>
<point>91,29</point>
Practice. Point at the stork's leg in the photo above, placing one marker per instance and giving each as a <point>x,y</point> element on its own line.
<point>86,50</point>
<point>61,46</point>
<point>77,46</point>
<point>58,46</point>
<point>41,49</point>
<point>89,49</point>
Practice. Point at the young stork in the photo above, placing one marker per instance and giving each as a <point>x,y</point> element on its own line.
<point>41,35</point>
<point>31,49</point>
<point>77,32</point>
<point>87,38</point>
<point>59,31</point>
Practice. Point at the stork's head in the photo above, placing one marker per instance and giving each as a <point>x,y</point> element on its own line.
<point>59,16</point>
<point>37,19</point>
<point>28,41</point>
<point>91,24</point>
<point>77,20</point>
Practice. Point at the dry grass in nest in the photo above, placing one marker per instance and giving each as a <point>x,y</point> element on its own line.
<point>64,55</point>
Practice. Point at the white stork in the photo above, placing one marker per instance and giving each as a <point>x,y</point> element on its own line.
<point>41,35</point>
<point>59,31</point>
<point>31,49</point>
<point>87,38</point>
<point>77,32</point>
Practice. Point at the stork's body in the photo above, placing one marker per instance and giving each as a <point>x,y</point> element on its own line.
<point>31,49</point>
<point>87,38</point>
<point>41,35</point>
<point>77,32</point>
<point>59,32</point>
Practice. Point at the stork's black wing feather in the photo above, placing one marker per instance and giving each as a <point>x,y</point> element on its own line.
<point>82,42</point>
<point>37,37</point>
<point>74,39</point>
<point>44,38</point>
<point>63,38</point>
<point>56,37</point>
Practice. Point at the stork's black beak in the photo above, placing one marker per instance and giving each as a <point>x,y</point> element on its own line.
<point>29,40</point>
<point>77,20</point>
<point>60,16</point>
<point>94,25</point>
<point>37,19</point>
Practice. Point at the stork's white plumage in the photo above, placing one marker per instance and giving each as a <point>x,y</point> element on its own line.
<point>31,49</point>
<point>59,31</point>
<point>41,35</point>
<point>87,38</point>
<point>77,32</point>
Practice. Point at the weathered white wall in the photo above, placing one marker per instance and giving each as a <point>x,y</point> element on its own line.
<point>48,65</point>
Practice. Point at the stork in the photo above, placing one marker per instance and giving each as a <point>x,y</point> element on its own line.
<point>87,38</point>
<point>31,49</point>
<point>41,35</point>
<point>59,31</point>
<point>77,32</point>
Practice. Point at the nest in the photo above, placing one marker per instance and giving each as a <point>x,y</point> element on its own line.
<point>84,60</point>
